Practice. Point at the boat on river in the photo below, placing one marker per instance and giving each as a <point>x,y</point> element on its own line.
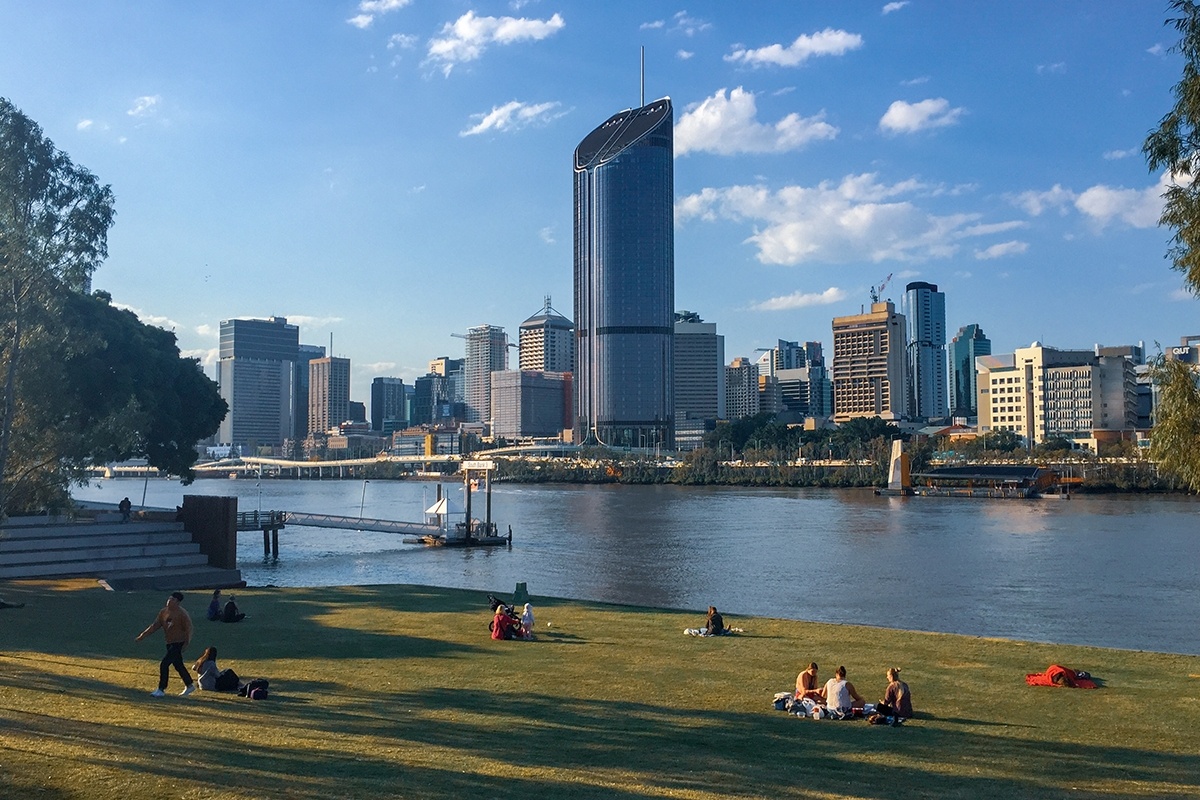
<point>1000,481</point>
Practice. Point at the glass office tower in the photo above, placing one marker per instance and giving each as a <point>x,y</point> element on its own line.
<point>926,312</point>
<point>625,280</point>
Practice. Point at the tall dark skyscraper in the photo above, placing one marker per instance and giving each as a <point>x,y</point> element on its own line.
<point>625,279</point>
<point>257,357</point>
<point>926,308</point>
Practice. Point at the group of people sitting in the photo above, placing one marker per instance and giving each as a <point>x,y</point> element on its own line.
<point>228,612</point>
<point>507,624</point>
<point>838,699</point>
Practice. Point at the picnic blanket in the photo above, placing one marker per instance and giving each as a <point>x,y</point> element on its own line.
<point>1058,675</point>
<point>702,632</point>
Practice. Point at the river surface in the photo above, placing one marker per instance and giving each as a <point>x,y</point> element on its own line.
<point>1111,570</point>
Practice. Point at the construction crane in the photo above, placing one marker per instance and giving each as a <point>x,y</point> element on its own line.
<point>878,290</point>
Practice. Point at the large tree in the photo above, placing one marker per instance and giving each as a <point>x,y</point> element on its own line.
<point>54,221</point>
<point>1174,146</point>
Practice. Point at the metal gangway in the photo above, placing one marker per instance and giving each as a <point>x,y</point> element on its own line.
<point>271,522</point>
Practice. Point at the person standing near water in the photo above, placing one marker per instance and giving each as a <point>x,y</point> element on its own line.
<point>176,626</point>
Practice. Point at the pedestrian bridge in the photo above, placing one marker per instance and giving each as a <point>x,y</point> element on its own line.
<point>271,522</point>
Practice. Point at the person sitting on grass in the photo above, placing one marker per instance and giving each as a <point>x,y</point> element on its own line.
<point>504,624</point>
<point>206,669</point>
<point>807,684</point>
<point>214,606</point>
<point>714,624</point>
<point>840,697</point>
<point>231,613</point>
<point>897,699</point>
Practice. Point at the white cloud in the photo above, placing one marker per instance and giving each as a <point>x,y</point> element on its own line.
<point>1138,208</point>
<point>207,331</point>
<point>1156,50</point>
<point>166,323</point>
<point>801,300</point>
<point>469,36</point>
<point>208,357</point>
<point>402,40</point>
<point>1034,203</point>
<point>512,116</point>
<point>890,7</point>
<point>689,26</point>
<point>83,124</point>
<point>547,235</point>
<point>144,106</point>
<point>683,55</point>
<point>304,320</point>
<point>1181,294</point>
<point>1002,249</point>
<point>649,26</point>
<point>1103,205</point>
<point>1057,68</point>
<point>828,42</point>
<point>859,219</point>
<point>903,117</point>
<point>369,9</point>
<point>375,368</point>
<point>1114,155</point>
<point>727,124</point>
<point>915,81</point>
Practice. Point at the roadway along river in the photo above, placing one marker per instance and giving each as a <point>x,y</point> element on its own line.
<point>1113,571</point>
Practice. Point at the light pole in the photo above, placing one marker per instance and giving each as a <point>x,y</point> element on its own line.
<point>363,501</point>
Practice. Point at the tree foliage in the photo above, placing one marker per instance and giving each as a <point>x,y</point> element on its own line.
<point>1175,146</point>
<point>54,221</point>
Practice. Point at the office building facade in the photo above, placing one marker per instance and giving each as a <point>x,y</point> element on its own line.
<point>741,388</point>
<point>546,342</point>
<point>870,372</point>
<point>925,311</point>
<point>389,408</point>
<point>530,404</point>
<point>328,394</point>
<point>1042,393</point>
<point>625,279</point>
<point>255,374</point>
<point>487,352</point>
<point>306,354</point>
<point>699,371</point>
<point>964,348</point>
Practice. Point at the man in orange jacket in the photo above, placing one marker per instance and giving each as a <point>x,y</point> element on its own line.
<point>177,628</point>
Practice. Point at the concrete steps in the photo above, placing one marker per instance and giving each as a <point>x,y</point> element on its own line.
<point>135,554</point>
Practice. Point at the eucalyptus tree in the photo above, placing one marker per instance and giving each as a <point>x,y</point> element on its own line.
<point>54,221</point>
<point>1174,146</point>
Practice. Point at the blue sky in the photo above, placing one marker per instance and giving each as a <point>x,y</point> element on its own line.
<point>394,171</point>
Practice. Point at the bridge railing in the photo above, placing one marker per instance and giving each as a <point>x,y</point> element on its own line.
<point>260,520</point>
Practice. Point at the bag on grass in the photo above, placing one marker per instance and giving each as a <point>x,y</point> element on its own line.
<point>227,680</point>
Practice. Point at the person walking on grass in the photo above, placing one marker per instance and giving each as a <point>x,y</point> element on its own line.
<point>177,628</point>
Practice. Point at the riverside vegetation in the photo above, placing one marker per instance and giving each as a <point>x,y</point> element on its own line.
<point>397,691</point>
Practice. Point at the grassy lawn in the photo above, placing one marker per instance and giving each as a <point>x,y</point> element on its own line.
<point>397,691</point>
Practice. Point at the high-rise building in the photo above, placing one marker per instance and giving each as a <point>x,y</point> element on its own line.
<point>806,392</point>
<point>328,393</point>
<point>254,371</point>
<point>784,355</point>
<point>699,371</point>
<point>925,310</point>
<point>965,347</point>
<point>530,403</point>
<point>1043,393</point>
<point>306,354</point>
<point>869,371</point>
<point>487,352</point>
<point>741,389</point>
<point>389,411</point>
<point>547,342</point>
<point>625,279</point>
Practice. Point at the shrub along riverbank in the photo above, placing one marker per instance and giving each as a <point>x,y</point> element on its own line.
<point>397,691</point>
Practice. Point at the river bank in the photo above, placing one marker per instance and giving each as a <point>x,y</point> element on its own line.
<point>385,691</point>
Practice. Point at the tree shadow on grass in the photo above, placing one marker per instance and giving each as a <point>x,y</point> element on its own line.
<point>344,741</point>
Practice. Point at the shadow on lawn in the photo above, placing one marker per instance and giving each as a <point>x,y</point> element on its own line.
<point>377,744</point>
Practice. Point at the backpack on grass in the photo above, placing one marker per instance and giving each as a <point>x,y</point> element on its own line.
<point>256,685</point>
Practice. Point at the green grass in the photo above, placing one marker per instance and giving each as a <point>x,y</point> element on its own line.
<point>396,691</point>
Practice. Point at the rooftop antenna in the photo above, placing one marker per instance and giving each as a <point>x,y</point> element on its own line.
<point>643,77</point>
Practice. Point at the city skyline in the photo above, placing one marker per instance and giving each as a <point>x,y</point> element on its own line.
<point>390,173</point>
